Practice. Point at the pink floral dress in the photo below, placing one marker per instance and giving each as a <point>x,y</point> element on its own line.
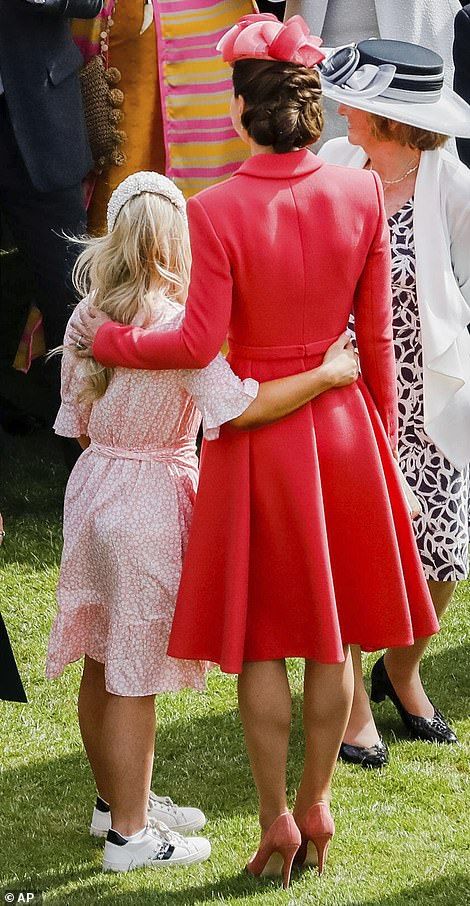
<point>127,513</point>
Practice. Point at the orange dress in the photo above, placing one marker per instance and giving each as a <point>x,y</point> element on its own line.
<point>135,56</point>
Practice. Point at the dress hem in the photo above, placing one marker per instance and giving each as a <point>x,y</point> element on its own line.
<point>55,672</point>
<point>366,648</point>
<point>431,573</point>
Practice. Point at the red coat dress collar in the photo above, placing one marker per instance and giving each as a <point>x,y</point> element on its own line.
<point>280,166</point>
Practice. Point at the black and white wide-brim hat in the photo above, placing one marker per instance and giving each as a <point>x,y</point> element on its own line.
<point>397,80</point>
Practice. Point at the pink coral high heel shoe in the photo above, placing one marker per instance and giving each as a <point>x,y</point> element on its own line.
<point>277,850</point>
<point>317,829</point>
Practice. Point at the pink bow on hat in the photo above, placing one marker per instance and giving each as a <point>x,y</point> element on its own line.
<point>263,37</point>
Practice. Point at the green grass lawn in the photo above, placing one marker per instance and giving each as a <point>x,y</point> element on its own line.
<point>402,835</point>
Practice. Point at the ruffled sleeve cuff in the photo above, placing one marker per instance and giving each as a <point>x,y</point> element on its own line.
<point>230,405</point>
<point>70,422</point>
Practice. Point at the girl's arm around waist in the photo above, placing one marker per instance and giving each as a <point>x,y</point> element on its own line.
<point>223,398</point>
<point>281,397</point>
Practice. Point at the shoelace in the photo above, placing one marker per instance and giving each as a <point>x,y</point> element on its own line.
<point>163,802</point>
<point>159,829</point>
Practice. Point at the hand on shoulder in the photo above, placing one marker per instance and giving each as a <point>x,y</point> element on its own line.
<point>84,325</point>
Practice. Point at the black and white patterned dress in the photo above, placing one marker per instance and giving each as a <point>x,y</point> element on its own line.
<point>443,491</point>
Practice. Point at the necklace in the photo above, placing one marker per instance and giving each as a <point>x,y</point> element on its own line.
<point>394,182</point>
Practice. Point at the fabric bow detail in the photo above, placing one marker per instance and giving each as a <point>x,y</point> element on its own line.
<point>263,37</point>
<point>369,81</point>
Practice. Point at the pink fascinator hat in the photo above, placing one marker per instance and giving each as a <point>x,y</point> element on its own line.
<point>263,37</point>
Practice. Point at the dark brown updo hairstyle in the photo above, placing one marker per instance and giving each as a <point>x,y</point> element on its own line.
<point>283,106</point>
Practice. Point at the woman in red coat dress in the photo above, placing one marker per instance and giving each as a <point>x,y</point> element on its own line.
<point>301,542</point>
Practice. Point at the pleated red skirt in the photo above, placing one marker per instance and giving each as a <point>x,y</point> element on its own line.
<point>301,541</point>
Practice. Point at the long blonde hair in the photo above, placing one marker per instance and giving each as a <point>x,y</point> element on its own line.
<point>147,252</point>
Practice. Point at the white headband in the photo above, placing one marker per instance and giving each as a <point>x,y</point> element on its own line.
<point>137,184</point>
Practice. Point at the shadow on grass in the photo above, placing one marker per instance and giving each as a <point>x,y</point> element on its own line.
<point>450,890</point>
<point>446,680</point>
<point>47,804</point>
<point>453,891</point>
<point>32,542</point>
<point>46,809</point>
<point>33,477</point>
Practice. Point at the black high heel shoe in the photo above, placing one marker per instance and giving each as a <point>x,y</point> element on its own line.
<point>366,757</point>
<point>429,729</point>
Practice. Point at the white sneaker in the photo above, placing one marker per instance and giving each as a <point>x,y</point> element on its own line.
<point>183,820</point>
<point>158,847</point>
<point>161,808</point>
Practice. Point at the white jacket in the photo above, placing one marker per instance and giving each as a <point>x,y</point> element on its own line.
<point>426,22</point>
<point>442,246</point>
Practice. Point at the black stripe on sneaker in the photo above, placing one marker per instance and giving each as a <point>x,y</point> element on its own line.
<point>101,805</point>
<point>115,837</point>
<point>164,853</point>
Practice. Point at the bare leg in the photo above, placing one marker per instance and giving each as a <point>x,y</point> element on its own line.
<point>328,691</point>
<point>92,701</point>
<point>403,663</point>
<point>265,709</point>
<point>361,729</point>
<point>119,738</point>
<point>129,737</point>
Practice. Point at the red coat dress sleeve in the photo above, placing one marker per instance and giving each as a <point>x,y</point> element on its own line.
<point>373,325</point>
<point>205,325</point>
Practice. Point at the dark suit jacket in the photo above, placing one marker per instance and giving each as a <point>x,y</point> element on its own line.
<point>39,65</point>
<point>462,70</point>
